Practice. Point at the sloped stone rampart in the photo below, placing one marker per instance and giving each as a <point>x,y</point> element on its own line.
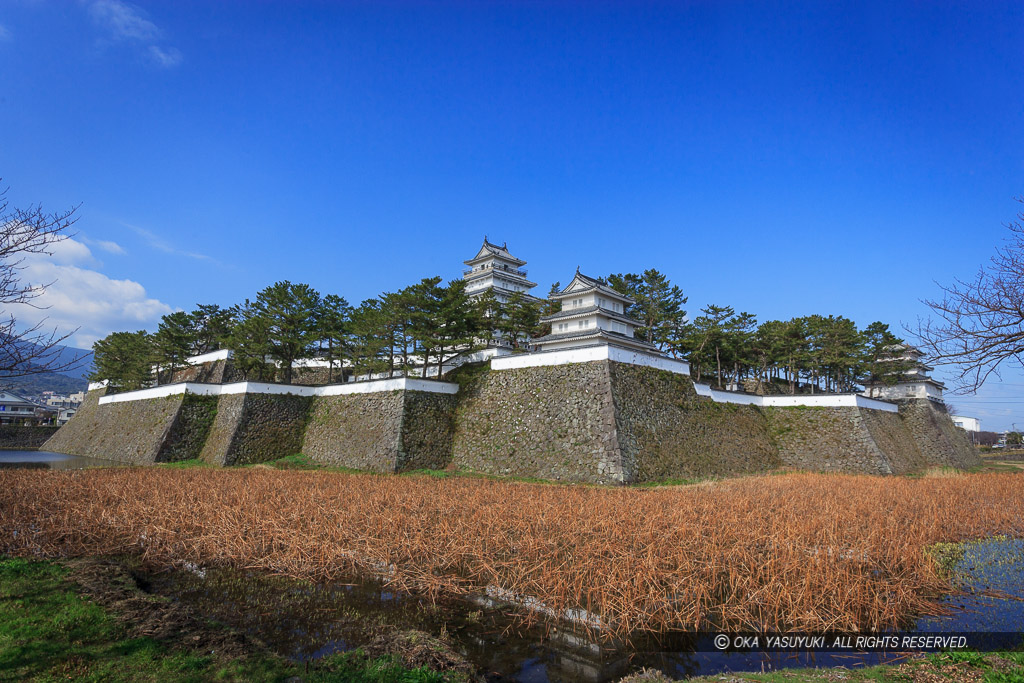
<point>255,428</point>
<point>392,431</point>
<point>426,431</point>
<point>225,425</point>
<point>940,441</point>
<point>825,440</point>
<point>360,431</point>
<point>598,422</point>
<point>893,438</point>
<point>214,372</point>
<point>551,422</point>
<point>188,434</point>
<point>132,431</point>
<point>666,431</point>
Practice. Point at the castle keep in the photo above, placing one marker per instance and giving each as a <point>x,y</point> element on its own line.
<point>593,403</point>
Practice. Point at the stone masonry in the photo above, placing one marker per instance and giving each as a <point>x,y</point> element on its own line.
<point>392,431</point>
<point>601,422</point>
<point>552,422</point>
<point>132,432</point>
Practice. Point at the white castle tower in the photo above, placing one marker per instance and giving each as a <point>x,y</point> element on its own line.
<point>913,382</point>
<point>592,313</point>
<point>494,268</point>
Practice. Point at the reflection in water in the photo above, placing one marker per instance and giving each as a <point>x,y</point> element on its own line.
<point>53,461</point>
<point>305,621</point>
<point>990,576</point>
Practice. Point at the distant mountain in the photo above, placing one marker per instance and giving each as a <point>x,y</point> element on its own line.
<point>69,381</point>
<point>67,354</point>
<point>35,385</point>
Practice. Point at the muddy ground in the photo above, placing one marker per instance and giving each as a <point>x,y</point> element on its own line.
<point>123,590</point>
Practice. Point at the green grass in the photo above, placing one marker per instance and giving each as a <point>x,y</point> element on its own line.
<point>992,667</point>
<point>183,464</point>
<point>469,474</point>
<point>49,632</point>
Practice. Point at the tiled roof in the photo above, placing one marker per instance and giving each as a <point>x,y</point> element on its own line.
<point>598,333</point>
<point>574,312</point>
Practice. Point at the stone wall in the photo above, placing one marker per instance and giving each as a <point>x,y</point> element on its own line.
<point>940,441</point>
<point>550,422</point>
<point>356,430</point>
<point>390,431</point>
<point>859,440</point>
<point>825,440</point>
<point>131,431</point>
<point>893,438</point>
<point>666,431</point>
<point>222,432</point>
<point>426,432</point>
<point>23,437</point>
<point>254,428</point>
<point>598,422</point>
<point>214,372</point>
<point>188,433</point>
<point>313,376</point>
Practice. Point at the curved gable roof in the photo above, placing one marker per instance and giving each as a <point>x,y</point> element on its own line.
<point>488,249</point>
<point>582,284</point>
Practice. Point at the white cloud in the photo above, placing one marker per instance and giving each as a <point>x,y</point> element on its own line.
<point>127,23</point>
<point>160,244</point>
<point>106,245</point>
<point>68,252</point>
<point>165,58</point>
<point>123,20</point>
<point>5,33</point>
<point>84,299</point>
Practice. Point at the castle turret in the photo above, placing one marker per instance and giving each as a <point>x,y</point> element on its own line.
<point>908,379</point>
<point>592,313</point>
<point>495,269</point>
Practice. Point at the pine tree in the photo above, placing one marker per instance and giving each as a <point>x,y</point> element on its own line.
<point>290,312</point>
<point>249,341</point>
<point>211,326</point>
<point>123,359</point>
<point>517,319</point>
<point>332,319</point>
<point>172,344</point>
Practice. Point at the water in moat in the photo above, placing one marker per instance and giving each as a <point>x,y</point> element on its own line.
<point>52,461</point>
<point>306,621</point>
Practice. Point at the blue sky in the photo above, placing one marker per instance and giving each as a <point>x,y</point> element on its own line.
<point>782,158</point>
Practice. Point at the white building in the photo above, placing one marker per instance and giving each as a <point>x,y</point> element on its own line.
<point>15,409</point>
<point>58,401</point>
<point>968,424</point>
<point>494,268</point>
<point>592,313</point>
<point>912,382</point>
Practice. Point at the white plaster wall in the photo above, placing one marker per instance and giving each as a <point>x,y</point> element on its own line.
<point>587,354</point>
<point>812,400</point>
<point>914,390</point>
<point>395,384</point>
<point>210,357</point>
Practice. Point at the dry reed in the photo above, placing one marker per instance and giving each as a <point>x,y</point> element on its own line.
<point>800,551</point>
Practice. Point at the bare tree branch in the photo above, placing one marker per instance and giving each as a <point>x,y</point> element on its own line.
<point>32,350</point>
<point>979,323</point>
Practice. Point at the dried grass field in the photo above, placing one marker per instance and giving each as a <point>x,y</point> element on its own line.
<point>799,551</point>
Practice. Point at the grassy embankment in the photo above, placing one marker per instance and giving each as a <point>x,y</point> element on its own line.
<point>50,631</point>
